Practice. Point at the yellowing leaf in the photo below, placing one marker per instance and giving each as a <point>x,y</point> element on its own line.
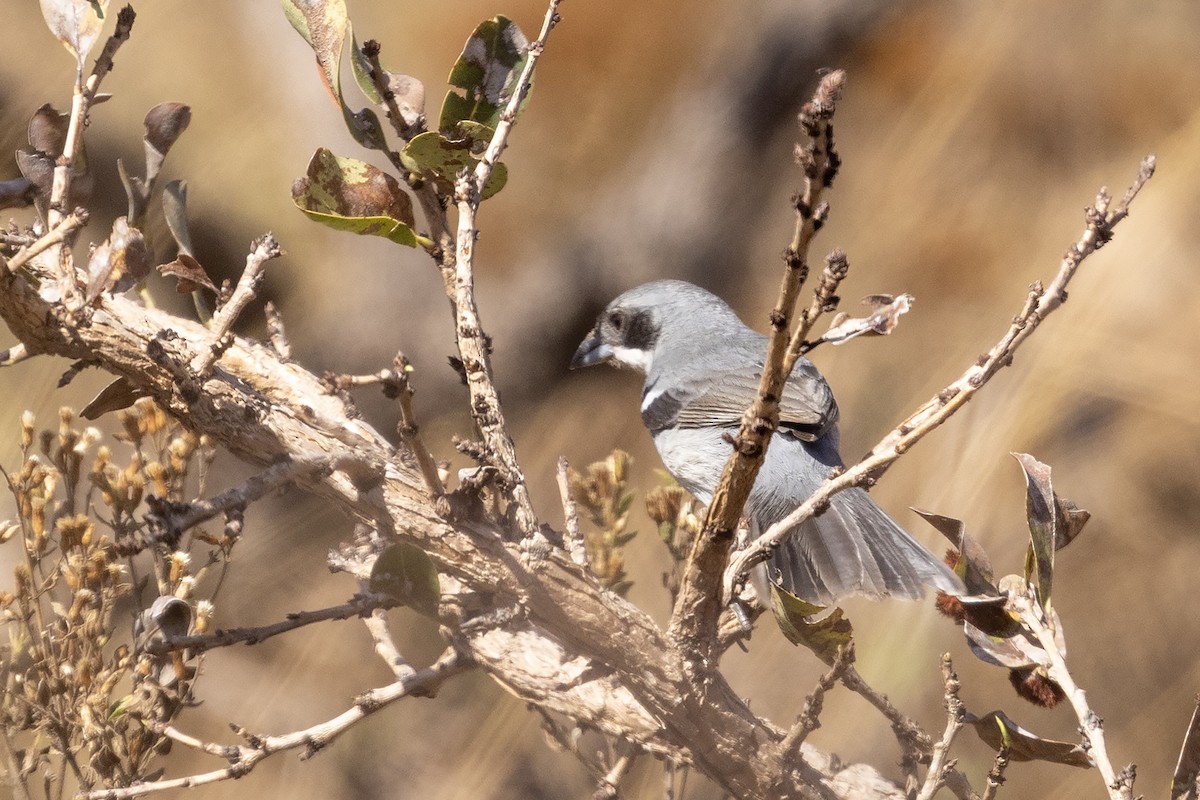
<point>351,195</point>
<point>825,636</point>
<point>76,23</point>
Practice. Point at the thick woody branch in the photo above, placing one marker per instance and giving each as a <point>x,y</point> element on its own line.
<point>474,346</point>
<point>572,648</point>
<point>1039,304</point>
<point>698,606</point>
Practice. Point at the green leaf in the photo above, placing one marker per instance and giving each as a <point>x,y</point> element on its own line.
<point>998,731</point>
<point>351,195</point>
<point>487,74</point>
<point>404,572</point>
<point>824,636</point>
<point>434,157</point>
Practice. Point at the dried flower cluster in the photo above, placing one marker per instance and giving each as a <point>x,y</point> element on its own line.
<point>83,700</point>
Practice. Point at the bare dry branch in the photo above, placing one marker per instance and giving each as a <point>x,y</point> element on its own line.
<point>697,608</point>
<point>1039,304</point>
<point>244,758</point>
<point>940,762</point>
<point>810,717</point>
<point>572,538</point>
<point>1029,613</point>
<point>995,776</point>
<point>14,355</point>
<point>474,346</point>
<point>262,250</point>
<point>385,646</point>
<point>81,101</point>
<point>56,236</point>
<point>276,330</point>
<point>409,432</point>
<point>358,606</point>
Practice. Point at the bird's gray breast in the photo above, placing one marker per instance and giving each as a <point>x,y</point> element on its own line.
<point>791,471</point>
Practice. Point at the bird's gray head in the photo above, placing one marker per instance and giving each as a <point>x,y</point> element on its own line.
<point>656,318</point>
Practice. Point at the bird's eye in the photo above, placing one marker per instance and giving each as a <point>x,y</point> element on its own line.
<point>616,319</point>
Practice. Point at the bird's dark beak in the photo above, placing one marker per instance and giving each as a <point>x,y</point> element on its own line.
<point>592,351</point>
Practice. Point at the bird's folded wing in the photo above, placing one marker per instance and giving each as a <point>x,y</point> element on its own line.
<point>719,400</point>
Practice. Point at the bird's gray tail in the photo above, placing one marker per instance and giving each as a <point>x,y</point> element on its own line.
<point>856,548</point>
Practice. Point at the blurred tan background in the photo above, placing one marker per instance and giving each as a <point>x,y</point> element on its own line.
<point>658,144</point>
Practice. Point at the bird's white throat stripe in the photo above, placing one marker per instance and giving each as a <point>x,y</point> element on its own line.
<point>632,357</point>
<point>649,398</point>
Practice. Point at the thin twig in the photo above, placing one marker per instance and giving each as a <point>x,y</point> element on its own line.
<point>609,782</point>
<point>825,299</point>
<point>572,538</point>
<point>409,433</point>
<point>14,355</point>
<point>1029,614</point>
<point>695,616</point>
<point>1039,304</point>
<point>279,340</point>
<point>56,235</point>
<point>240,496</point>
<point>81,101</point>
<point>243,758</point>
<point>939,760</point>
<point>915,743</point>
<point>262,250</point>
<point>473,344</point>
<point>385,646</point>
<point>810,717</point>
<point>995,776</point>
<point>358,606</point>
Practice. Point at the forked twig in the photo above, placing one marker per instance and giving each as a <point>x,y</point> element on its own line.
<point>939,760</point>
<point>245,757</point>
<point>694,618</point>
<point>1030,615</point>
<point>474,346</point>
<point>1039,304</point>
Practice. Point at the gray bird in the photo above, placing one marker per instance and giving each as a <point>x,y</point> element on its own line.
<point>702,368</point>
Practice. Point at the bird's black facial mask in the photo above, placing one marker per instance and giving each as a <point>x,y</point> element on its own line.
<point>622,336</point>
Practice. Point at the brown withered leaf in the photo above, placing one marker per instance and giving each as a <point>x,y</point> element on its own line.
<point>120,262</point>
<point>190,274</point>
<point>117,395</point>
<point>47,131</point>
<point>973,565</point>
<point>164,124</point>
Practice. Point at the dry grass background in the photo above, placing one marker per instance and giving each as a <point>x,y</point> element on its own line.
<point>973,134</point>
